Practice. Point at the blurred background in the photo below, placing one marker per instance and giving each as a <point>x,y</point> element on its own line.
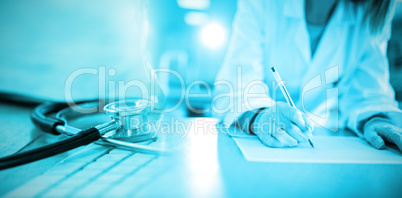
<point>191,37</point>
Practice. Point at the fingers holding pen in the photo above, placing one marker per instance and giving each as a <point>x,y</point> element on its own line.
<point>299,127</point>
<point>309,123</point>
<point>282,126</point>
<point>298,118</point>
<point>297,134</point>
<point>295,116</point>
<point>279,138</point>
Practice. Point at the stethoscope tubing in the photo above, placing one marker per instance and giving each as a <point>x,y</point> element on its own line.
<point>84,137</point>
<point>78,137</point>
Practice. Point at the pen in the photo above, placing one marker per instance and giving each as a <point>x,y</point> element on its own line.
<point>286,93</point>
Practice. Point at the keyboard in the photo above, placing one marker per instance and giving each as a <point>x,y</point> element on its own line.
<point>95,171</point>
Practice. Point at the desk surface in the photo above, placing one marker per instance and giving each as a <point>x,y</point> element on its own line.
<point>209,164</point>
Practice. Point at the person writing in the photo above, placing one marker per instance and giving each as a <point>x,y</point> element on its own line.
<point>331,55</point>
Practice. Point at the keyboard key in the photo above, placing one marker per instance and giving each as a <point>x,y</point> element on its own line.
<point>99,166</point>
<point>58,192</point>
<point>86,174</point>
<point>65,168</point>
<point>73,183</point>
<point>118,191</point>
<point>91,190</point>
<point>112,157</point>
<point>137,160</point>
<point>120,151</point>
<point>122,170</point>
<point>133,182</point>
<point>88,153</point>
<point>108,178</point>
<point>35,186</point>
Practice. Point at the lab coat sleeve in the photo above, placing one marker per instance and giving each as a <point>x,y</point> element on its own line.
<point>367,92</point>
<point>239,85</point>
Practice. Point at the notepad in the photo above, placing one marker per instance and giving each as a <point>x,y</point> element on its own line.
<point>328,149</point>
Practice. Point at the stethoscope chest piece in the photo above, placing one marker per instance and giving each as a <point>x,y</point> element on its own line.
<point>132,117</point>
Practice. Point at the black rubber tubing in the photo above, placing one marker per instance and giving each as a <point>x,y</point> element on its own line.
<point>44,123</point>
<point>41,120</point>
<point>80,139</point>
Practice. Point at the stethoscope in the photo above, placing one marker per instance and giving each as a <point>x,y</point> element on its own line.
<point>129,124</point>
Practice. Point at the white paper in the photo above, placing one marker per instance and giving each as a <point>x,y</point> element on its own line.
<point>328,149</point>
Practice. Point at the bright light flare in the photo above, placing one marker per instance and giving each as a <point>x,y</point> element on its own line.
<point>213,35</point>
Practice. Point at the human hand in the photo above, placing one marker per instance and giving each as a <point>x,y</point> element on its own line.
<point>376,130</point>
<point>282,126</point>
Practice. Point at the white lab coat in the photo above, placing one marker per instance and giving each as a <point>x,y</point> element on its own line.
<point>345,82</point>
